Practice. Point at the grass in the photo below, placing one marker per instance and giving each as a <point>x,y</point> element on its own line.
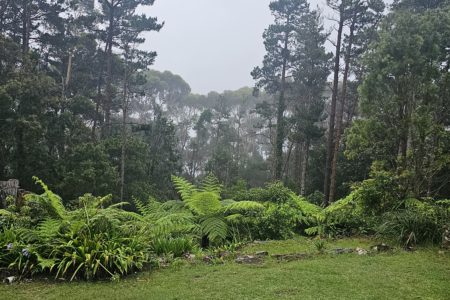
<point>423,274</point>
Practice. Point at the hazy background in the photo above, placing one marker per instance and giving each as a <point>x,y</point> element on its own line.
<point>212,44</point>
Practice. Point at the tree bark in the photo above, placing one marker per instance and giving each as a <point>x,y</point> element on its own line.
<point>330,143</point>
<point>280,114</point>
<point>124,133</point>
<point>109,88</point>
<point>298,166</point>
<point>304,167</point>
<point>340,115</point>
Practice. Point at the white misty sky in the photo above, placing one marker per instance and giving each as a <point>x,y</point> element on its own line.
<point>212,44</point>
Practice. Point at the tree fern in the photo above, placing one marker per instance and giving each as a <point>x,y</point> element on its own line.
<point>243,207</point>
<point>211,184</point>
<point>183,187</point>
<point>204,203</point>
<point>214,227</point>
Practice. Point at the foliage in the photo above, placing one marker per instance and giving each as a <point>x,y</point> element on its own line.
<point>274,192</point>
<point>212,216</point>
<point>93,241</point>
<point>421,221</point>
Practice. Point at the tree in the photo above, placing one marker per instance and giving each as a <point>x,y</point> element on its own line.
<point>310,76</point>
<point>363,17</point>
<point>403,101</point>
<point>279,61</point>
<point>120,20</point>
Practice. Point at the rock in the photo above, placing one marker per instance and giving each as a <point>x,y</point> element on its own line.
<point>224,254</point>
<point>382,248</point>
<point>441,252</point>
<point>290,257</point>
<point>262,253</point>
<point>10,279</point>
<point>248,259</point>
<point>446,238</point>
<point>342,250</point>
<point>207,258</point>
<point>189,256</point>
<point>361,251</point>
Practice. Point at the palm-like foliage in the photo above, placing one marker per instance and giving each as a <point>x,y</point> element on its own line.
<point>212,215</point>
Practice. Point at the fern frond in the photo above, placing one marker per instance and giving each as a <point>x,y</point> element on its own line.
<point>184,187</point>
<point>48,229</point>
<point>211,184</point>
<point>119,205</point>
<point>51,202</point>
<point>234,218</point>
<point>204,203</point>
<point>173,205</point>
<point>244,207</point>
<point>171,223</point>
<point>214,227</point>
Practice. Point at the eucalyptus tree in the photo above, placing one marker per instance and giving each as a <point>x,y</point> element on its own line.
<point>279,62</point>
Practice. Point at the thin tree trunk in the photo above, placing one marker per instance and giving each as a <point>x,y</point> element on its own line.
<point>330,143</point>
<point>109,88</point>
<point>124,133</point>
<point>304,167</point>
<point>280,116</point>
<point>339,122</point>
<point>298,166</point>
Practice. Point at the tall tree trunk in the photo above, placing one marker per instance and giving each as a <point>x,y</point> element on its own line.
<point>330,143</point>
<point>26,23</point>
<point>124,133</point>
<point>298,166</point>
<point>304,167</point>
<point>280,115</point>
<point>340,115</point>
<point>109,88</point>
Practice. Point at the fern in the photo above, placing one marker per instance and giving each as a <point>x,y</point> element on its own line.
<point>184,187</point>
<point>214,227</point>
<point>243,207</point>
<point>48,229</point>
<point>52,202</point>
<point>211,184</point>
<point>204,203</point>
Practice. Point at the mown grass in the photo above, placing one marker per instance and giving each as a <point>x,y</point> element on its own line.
<point>423,274</point>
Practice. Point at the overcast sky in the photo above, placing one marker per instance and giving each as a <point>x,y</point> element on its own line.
<point>212,44</point>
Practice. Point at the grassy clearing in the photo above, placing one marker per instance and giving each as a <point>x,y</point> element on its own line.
<point>423,274</point>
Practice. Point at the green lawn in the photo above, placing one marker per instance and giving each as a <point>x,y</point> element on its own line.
<point>423,274</point>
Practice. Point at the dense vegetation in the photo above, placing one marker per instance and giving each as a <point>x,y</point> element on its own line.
<point>367,153</point>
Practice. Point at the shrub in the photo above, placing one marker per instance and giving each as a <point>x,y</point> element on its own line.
<point>176,247</point>
<point>379,194</point>
<point>274,192</point>
<point>421,221</point>
<point>93,241</point>
<point>278,221</point>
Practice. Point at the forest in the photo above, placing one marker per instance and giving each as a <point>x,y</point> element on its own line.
<point>122,168</point>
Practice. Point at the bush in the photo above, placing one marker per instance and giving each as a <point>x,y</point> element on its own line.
<point>89,242</point>
<point>379,194</point>
<point>277,222</point>
<point>421,221</point>
<point>274,192</point>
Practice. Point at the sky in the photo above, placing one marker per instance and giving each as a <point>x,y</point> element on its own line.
<point>212,44</point>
